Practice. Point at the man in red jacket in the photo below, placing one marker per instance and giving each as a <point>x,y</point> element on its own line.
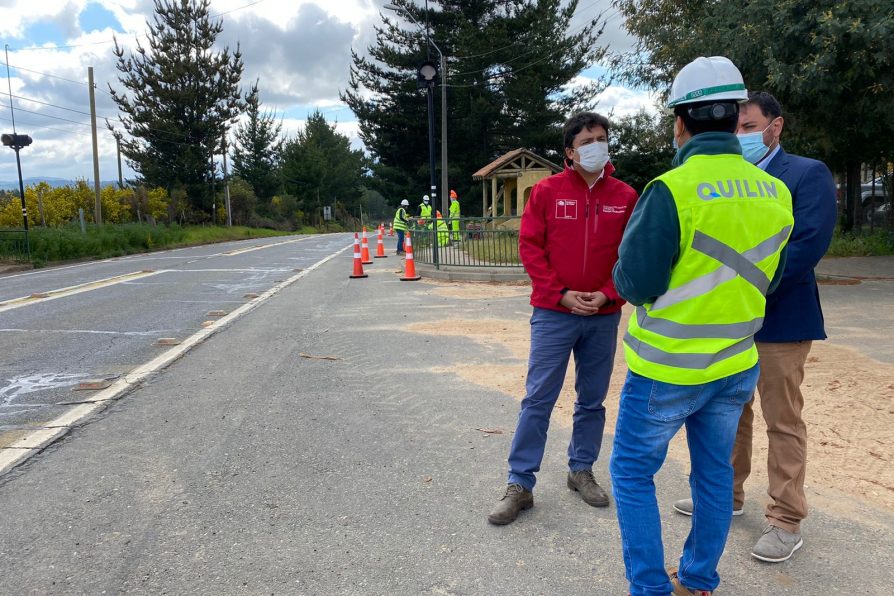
<point>568,243</point>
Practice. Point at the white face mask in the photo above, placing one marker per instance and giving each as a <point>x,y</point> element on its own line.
<point>593,156</point>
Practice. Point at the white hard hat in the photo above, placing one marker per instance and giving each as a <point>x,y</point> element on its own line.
<point>708,79</point>
<point>425,198</point>
<point>405,203</point>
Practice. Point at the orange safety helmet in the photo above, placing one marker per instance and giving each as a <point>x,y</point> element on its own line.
<point>453,194</point>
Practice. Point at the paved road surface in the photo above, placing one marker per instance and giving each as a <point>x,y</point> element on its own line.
<point>102,319</point>
<point>246,469</point>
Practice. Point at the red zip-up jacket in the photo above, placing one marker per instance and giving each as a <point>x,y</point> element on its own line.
<point>570,234</point>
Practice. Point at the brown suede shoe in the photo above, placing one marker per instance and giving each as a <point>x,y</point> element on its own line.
<point>516,499</point>
<point>590,491</point>
<point>680,589</point>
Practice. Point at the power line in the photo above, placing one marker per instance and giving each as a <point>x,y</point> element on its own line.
<point>51,48</point>
<point>46,74</point>
<point>35,126</point>
<point>52,105</point>
<point>47,116</point>
<point>220,14</point>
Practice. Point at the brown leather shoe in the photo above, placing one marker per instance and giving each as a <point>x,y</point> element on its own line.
<point>590,491</point>
<point>680,589</point>
<point>516,499</point>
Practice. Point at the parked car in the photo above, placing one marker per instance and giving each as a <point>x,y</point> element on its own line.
<point>881,215</point>
<point>872,196</point>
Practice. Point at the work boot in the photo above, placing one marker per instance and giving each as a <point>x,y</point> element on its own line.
<point>680,589</point>
<point>685,507</point>
<point>583,482</point>
<point>516,499</point>
<point>776,545</point>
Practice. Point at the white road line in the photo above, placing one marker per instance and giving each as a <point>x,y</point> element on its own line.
<point>261,247</point>
<point>152,333</point>
<point>153,256</point>
<point>72,290</point>
<point>250,270</point>
<point>34,442</point>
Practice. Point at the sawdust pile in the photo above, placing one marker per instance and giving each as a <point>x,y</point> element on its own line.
<point>849,402</point>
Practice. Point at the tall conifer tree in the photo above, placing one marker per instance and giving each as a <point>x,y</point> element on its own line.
<point>257,147</point>
<point>180,96</point>
<point>510,63</point>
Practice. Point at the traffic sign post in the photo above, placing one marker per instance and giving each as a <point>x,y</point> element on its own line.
<point>16,142</point>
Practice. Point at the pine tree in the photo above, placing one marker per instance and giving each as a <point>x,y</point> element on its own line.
<point>180,97</point>
<point>257,148</point>
<point>320,168</point>
<point>509,66</point>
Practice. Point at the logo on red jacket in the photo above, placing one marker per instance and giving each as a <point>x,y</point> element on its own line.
<point>614,209</point>
<point>566,209</point>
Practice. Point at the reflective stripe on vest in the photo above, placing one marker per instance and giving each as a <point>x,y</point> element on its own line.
<point>706,283</point>
<point>686,360</point>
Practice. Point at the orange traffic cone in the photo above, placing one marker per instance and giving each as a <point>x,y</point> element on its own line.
<point>391,229</point>
<point>358,265</point>
<point>410,272</point>
<point>380,244</point>
<point>364,252</point>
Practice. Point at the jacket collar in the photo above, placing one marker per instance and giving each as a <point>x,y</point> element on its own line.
<point>708,143</point>
<point>779,164</point>
<point>607,171</point>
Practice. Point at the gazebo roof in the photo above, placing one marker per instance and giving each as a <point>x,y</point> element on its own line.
<point>515,161</point>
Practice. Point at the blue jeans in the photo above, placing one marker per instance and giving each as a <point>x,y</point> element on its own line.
<point>554,336</point>
<point>400,240</point>
<point>649,415</point>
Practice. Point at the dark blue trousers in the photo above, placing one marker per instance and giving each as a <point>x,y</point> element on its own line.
<point>554,337</point>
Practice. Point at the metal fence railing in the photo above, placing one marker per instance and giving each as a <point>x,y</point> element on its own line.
<point>14,244</point>
<point>478,242</point>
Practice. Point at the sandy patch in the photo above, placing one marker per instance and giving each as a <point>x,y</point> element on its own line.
<point>849,405</point>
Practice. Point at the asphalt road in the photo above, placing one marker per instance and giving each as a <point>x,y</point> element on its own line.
<point>245,468</point>
<point>87,328</point>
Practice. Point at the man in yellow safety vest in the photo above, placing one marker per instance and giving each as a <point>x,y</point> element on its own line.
<point>703,248</point>
<point>454,215</point>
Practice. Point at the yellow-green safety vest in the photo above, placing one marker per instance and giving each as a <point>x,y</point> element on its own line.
<point>734,221</point>
<point>400,224</point>
<point>424,210</point>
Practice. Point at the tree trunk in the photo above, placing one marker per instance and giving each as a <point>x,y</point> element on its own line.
<point>851,196</point>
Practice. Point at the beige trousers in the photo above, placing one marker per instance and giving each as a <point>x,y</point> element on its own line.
<point>779,387</point>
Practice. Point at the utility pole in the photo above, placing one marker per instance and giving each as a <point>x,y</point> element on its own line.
<point>227,183</point>
<point>213,193</point>
<point>445,201</point>
<point>17,141</point>
<point>97,213</point>
<point>118,148</point>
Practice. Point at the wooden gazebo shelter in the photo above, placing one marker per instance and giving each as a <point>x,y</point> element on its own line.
<point>519,170</point>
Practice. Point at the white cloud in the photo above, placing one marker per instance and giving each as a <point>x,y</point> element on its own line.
<point>621,101</point>
<point>299,49</point>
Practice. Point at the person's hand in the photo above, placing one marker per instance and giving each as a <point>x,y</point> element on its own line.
<point>583,303</point>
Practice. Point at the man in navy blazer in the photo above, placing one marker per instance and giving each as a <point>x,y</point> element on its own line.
<point>792,321</point>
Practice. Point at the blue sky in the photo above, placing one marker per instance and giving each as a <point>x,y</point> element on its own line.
<point>299,49</point>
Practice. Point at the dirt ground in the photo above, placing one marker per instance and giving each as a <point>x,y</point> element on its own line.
<point>849,402</point>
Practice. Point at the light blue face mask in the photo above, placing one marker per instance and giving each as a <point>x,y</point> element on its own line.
<point>753,147</point>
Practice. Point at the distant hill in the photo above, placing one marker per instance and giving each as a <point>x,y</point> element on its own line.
<point>54,182</point>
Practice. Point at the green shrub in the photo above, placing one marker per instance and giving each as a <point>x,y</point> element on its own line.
<point>880,242</point>
<point>67,242</point>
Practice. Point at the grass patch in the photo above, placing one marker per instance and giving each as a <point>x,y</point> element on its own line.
<point>880,242</point>
<point>101,242</point>
<point>495,249</point>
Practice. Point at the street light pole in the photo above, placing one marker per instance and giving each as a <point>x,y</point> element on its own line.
<point>17,141</point>
<point>444,190</point>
